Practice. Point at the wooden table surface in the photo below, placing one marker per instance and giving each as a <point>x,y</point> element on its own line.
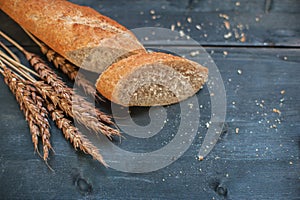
<point>257,154</point>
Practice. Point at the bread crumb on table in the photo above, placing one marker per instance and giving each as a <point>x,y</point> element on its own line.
<point>198,27</point>
<point>223,16</point>
<point>228,35</point>
<point>237,130</point>
<point>227,25</point>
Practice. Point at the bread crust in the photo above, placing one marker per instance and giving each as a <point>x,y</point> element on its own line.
<point>65,27</point>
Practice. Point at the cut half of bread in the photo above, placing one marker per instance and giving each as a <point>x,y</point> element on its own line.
<point>149,79</point>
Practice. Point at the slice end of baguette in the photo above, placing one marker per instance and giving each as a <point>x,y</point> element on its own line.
<point>151,79</point>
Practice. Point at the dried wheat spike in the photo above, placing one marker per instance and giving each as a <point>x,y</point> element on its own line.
<point>49,76</point>
<point>79,109</point>
<point>70,70</point>
<point>32,106</point>
<point>74,135</point>
<point>68,99</point>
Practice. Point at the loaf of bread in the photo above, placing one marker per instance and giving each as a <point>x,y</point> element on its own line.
<point>128,74</point>
<point>80,34</point>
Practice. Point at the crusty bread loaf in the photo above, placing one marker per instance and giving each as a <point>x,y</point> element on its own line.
<point>78,33</point>
<point>151,79</point>
<point>130,76</point>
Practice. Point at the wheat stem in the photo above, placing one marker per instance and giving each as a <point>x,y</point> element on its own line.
<point>12,61</point>
<point>10,52</point>
<point>11,41</point>
<point>20,71</point>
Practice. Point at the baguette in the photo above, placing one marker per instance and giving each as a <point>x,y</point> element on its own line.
<point>78,33</point>
<point>129,75</point>
<point>151,79</point>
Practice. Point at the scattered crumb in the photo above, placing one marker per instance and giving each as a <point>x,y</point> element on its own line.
<point>163,180</point>
<point>228,35</point>
<point>236,33</point>
<point>224,16</point>
<point>276,111</point>
<point>229,79</point>
<point>191,105</point>
<point>291,162</point>
<point>198,27</point>
<point>257,19</point>
<point>207,125</point>
<point>237,130</point>
<point>225,53</point>
<point>152,12</point>
<point>178,24</point>
<point>201,158</point>
<point>146,38</point>
<point>181,33</point>
<point>233,103</point>
<point>282,91</point>
<point>189,20</point>
<point>142,12</point>
<point>239,72</point>
<point>285,58</point>
<point>205,35</point>
<point>237,3</point>
<point>194,53</point>
<point>172,27</point>
<point>273,126</point>
<point>227,25</point>
<point>243,38</point>
<point>227,175</point>
<point>153,17</point>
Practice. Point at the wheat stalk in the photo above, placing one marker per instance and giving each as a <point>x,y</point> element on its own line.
<point>82,110</point>
<point>32,106</point>
<point>59,99</point>
<point>73,134</point>
<point>67,68</point>
<point>96,123</point>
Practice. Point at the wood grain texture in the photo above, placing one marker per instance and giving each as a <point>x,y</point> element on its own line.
<point>258,162</point>
<point>277,27</point>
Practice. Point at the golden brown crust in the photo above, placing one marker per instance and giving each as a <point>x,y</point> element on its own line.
<point>107,82</point>
<point>63,26</point>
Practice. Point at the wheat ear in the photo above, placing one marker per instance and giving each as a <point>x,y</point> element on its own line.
<point>73,134</point>
<point>32,106</point>
<point>66,67</point>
